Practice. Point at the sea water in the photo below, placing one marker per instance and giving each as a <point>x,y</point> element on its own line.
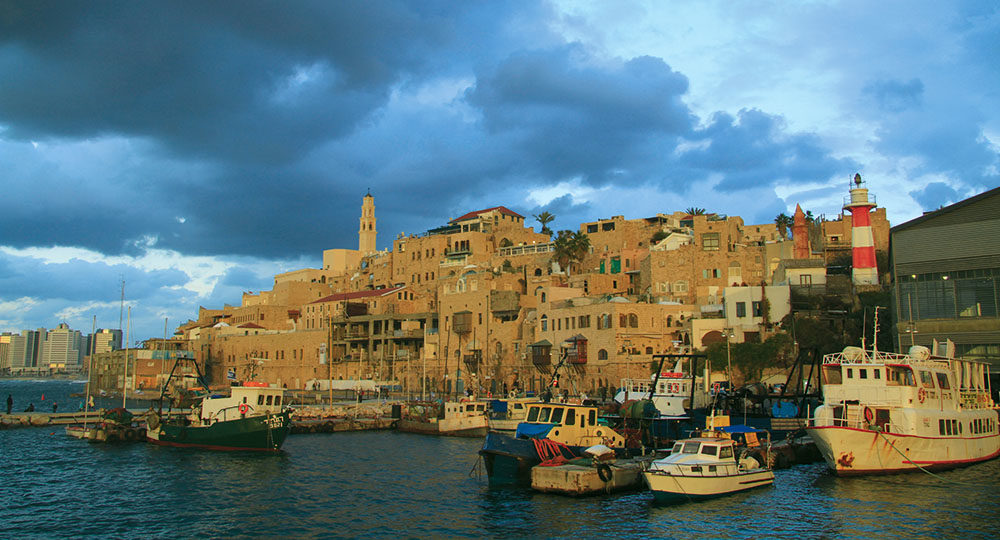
<point>389,485</point>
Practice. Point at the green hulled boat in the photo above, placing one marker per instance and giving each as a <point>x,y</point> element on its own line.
<point>252,417</point>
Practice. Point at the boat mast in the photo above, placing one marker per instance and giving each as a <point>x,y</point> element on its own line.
<point>128,328</point>
<point>90,368</point>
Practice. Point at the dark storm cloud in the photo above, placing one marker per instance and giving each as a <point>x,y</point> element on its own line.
<point>755,149</point>
<point>255,128</point>
<point>569,116</point>
<point>936,195</point>
<point>257,81</point>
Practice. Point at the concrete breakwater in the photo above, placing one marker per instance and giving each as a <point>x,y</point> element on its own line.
<point>344,417</point>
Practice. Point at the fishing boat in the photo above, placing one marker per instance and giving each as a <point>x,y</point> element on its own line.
<point>674,393</point>
<point>252,417</point>
<point>548,430</point>
<point>505,414</point>
<point>888,413</point>
<point>708,466</point>
<point>452,418</point>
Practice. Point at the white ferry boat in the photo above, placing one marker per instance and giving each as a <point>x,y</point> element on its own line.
<point>887,412</point>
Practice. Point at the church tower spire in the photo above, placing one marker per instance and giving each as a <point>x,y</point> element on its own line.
<point>367,233</point>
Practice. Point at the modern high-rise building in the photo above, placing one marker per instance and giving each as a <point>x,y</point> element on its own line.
<point>62,349</point>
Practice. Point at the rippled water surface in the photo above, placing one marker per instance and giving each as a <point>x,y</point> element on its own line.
<point>386,484</point>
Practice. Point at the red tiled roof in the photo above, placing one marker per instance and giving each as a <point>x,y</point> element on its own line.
<point>356,295</point>
<point>250,325</point>
<point>501,209</point>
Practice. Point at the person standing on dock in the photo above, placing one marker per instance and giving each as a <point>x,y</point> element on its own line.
<point>10,403</point>
<point>55,406</point>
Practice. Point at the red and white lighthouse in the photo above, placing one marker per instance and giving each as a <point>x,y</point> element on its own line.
<point>862,241</point>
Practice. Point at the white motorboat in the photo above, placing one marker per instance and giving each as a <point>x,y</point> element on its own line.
<point>706,467</point>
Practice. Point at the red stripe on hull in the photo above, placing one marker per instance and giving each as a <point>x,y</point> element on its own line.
<point>212,446</point>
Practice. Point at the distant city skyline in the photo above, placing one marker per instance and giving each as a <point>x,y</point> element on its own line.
<point>201,156</point>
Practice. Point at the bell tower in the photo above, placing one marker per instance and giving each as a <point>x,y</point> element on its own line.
<point>367,233</point>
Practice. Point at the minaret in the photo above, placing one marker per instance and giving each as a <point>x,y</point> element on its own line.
<point>800,235</point>
<point>367,232</point>
<point>862,242</point>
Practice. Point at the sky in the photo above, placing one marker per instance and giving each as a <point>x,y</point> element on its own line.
<point>193,150</point>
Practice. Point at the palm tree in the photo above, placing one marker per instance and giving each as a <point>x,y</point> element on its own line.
<point>570,247</point>
<point>545,218</point>
<point>783,221</point>
<point>695,211</point>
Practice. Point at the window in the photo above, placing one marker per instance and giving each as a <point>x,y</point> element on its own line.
<point>710,450</point>
<point>862,373</point>
<point>543,416</point>
<point>805,280</point>
<point>757,309</point>
<point>602,354</point>
<point>710,241</point>
<point>570,417</point>
<point>942,380</point>
<point>926,380</point>
<point>591,228</point>
<point>680,286</point>
<point>726,452</point>
<point>741,309</point>
<point>545,323</point>
<point>532,414</point>
<point>557,414</point>
<point>633,320</point>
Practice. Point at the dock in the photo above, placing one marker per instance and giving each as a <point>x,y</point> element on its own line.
<point>580,480</point>
<point>39,418</point>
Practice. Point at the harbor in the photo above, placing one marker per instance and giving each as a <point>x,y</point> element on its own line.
<point>374,483</point>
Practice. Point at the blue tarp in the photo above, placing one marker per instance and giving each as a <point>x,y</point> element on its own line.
<point>740,428</point>
<point>784,409</point>
<point>498,405</point>
<point>533,431</point>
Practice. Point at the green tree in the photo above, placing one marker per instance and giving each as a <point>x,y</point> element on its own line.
<point>570,247</point>
<point>783,221</point>
<point>657,236</point>
<point>545,218</point>
<point>695,211</point>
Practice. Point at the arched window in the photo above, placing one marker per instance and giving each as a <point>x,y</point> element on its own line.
<point>543,297</point>
<point>538,271</point>
<point>602,354</point>
<point>649,350</point>
<point>633,320</point>
<point>545,322</point>
<point>622,321</point>
<point>537,290</point>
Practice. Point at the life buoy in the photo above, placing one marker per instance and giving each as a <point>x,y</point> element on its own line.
<point>604,472</point>
<point>869,415</point>
<point>244,408</point>
<point>921,395</point>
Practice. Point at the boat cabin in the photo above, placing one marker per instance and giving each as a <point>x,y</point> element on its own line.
<point>574,425</point>
<point>708,448</point>
<point>251,399</point>
<point>465,408</point>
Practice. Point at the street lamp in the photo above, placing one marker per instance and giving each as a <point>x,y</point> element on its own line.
<point>728,333</point>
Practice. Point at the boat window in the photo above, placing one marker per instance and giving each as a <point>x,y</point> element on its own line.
<point>726,452</point>
<point>710,450</point>
<point>908,378</point>
<point>711,468</point>
<point>877,373</point>
<point>532,414</point>
<point>260,399</point>
<point>268,402</point>
<point>691,447</point>
<point>941,427</point>
<point>862,373</point>
<point>832,374</point>
<point>850,373</point>
<point>592,418</point>
<point>677,448</point>
<point>570,417</point>
<point>926,380</point>
<point>543,416</point>
<point>959,424</point>
<point>942,379</point>
<point>557,414</point>
<point>277,400</point>
<point>696,468</point>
